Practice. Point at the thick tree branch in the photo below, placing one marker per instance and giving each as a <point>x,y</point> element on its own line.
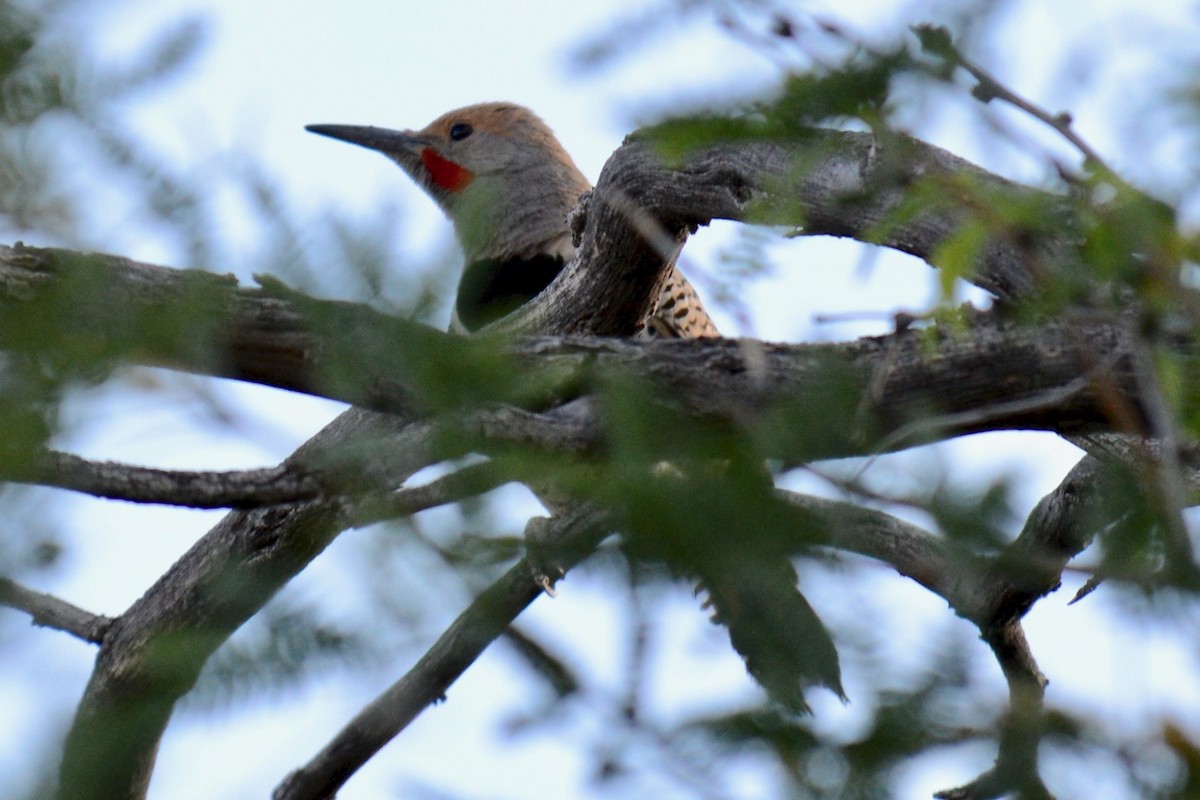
<point>903,377</point>
<point>988,377</point>
<point>231,572</point>
<point>111,308</point>
<point>849,184</point>
<point>828,182</point>
<point>52,612</point>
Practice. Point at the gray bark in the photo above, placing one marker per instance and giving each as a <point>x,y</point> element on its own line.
<point>900,390</point>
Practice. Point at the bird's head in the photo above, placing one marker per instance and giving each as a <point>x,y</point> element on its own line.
<point>496,169</point>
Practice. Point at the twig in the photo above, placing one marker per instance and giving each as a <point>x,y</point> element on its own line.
<point>1016,762</point>
<point>429,679</point>
<point>254,488</point>
<point>867,315</point>
<point>639,645</point>
<point>991,89</point>
<point>913,432</point>
<point>937,41</point>
<point>468,481</point>
<point>49,611</point>
<point>859,489</point>
<point>687,765</point>
<point>910,550</point>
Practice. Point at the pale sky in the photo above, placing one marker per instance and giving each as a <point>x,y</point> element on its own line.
<point>270,67</point>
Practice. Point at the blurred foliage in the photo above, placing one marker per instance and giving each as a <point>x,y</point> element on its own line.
<point>694,496</point>
<point>1135,258</point>
<point>29,535</point>
<point>903,726</point>
<point>278,649</point>
<point>76,172</point>
<point>55,101</point>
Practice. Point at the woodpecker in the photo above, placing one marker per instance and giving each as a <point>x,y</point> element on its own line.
<point>499,173</point>
<point>501,176</point>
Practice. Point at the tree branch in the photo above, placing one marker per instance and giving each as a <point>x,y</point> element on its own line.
<point>469,481</point>
<point>223,579</point>
<point>1016,763</point>
<point>1061,525</point>
<point>828,182</point>
<point>849,184</point>
<point>51,612</point>
<point>233,489</point>
<point>573,536</point>
<point>1031,367</point>
<point>233,570</point>
<point>910,550</point>
<point>117,310</point>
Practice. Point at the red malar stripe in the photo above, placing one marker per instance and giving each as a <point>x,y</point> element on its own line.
<point>446,173</point>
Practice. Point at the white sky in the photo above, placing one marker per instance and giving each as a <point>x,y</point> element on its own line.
<point>269,68</point>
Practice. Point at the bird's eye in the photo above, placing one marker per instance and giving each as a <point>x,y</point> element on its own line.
<point>460,131</point>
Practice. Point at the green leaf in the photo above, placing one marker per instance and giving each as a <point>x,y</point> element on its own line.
<point>937,41</point>
<point>956,256</point>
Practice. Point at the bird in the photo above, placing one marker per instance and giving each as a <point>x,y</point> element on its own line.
<point>505,181</point>
<point>502,177</point>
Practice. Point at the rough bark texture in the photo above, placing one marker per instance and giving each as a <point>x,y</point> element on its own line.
<point>827,182</point>
<point>899,390</point>
<point>987,375</point>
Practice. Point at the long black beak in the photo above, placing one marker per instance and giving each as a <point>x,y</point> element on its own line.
<point>381,139</point>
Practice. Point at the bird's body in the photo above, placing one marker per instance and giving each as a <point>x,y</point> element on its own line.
<point>499,173</point>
